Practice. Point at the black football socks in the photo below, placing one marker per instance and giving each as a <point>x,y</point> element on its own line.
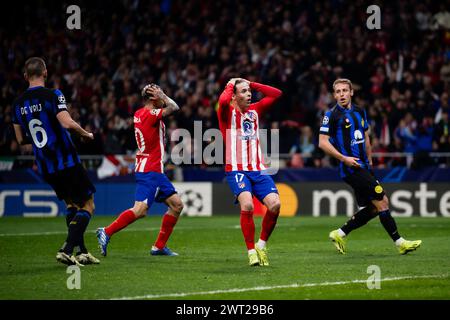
<point>389,224</point>
<point>359,219</point>
<point>70,214</point>
<point>77,228</point>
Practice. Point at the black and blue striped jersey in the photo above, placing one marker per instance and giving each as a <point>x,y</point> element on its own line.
<point>346,128</point>
<point>35,111</point>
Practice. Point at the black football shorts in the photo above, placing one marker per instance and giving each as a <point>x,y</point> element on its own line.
<point>365,186</point>
<point>71,185</point>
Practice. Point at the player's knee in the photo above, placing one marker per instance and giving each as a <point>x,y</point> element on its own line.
<point>89,206</point>
<point>92,205</point>
<point>140,210</point>
<point>275,206</point>
<point>384,203</point>
<point>247,206</point>
<point>140,213</point>
<point>177,207</point>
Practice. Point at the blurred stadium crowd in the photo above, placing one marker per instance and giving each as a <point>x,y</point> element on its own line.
<point>401,73</point>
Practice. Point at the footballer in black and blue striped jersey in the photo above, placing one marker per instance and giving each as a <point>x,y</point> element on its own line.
<point>344,135</point>
<point>35,111</point>
<point>40,117</point>
<point>346,128</point>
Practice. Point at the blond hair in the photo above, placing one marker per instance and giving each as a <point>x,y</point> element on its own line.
<point>342,80</point>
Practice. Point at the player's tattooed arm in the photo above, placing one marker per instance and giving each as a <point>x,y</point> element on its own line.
<point>170,106</point>
<point>157,94</point>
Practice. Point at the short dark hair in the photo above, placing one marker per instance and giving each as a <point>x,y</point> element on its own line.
<point>35,67</point>
<point>236,83</point>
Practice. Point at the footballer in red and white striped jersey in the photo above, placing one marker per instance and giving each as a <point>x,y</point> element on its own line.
<point>149,131</point>
<point>244,164</point>
<point>240,129</point>
<point>151,183</point>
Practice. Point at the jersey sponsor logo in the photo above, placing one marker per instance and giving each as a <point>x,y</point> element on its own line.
<point>358,138</point>
<point>324,129</point>
<point>62,106</point>
<point>358,135</point>
<point>325,120</point>
<point>248,128</point>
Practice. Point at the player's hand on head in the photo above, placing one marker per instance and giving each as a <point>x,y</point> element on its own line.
<point>156,92</point>
<point>232,81</point>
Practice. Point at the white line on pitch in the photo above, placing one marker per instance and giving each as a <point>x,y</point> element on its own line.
<point>288,286</point>
<point>49,233</point>
<point>62,232</point>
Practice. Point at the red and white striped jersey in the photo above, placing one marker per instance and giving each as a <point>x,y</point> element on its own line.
<point>240,131</point>
<point>149,131</point>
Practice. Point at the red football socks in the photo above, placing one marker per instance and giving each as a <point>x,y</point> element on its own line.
<point>248,228</point>
<point>268,224</point>
<point>127,217</point>
<point>168,222</point>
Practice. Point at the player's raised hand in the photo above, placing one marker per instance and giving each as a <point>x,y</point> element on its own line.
<point>232,81</point>
<point>155,92</point>
<point>351,162</point>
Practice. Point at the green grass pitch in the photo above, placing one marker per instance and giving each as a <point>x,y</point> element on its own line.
<point>213,261</point>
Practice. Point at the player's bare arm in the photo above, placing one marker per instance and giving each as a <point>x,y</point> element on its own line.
<point>327,147</point>
<point>68,123</point>
<point>170,106</point>
<point>158,95</point>
<point>21,138</point>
